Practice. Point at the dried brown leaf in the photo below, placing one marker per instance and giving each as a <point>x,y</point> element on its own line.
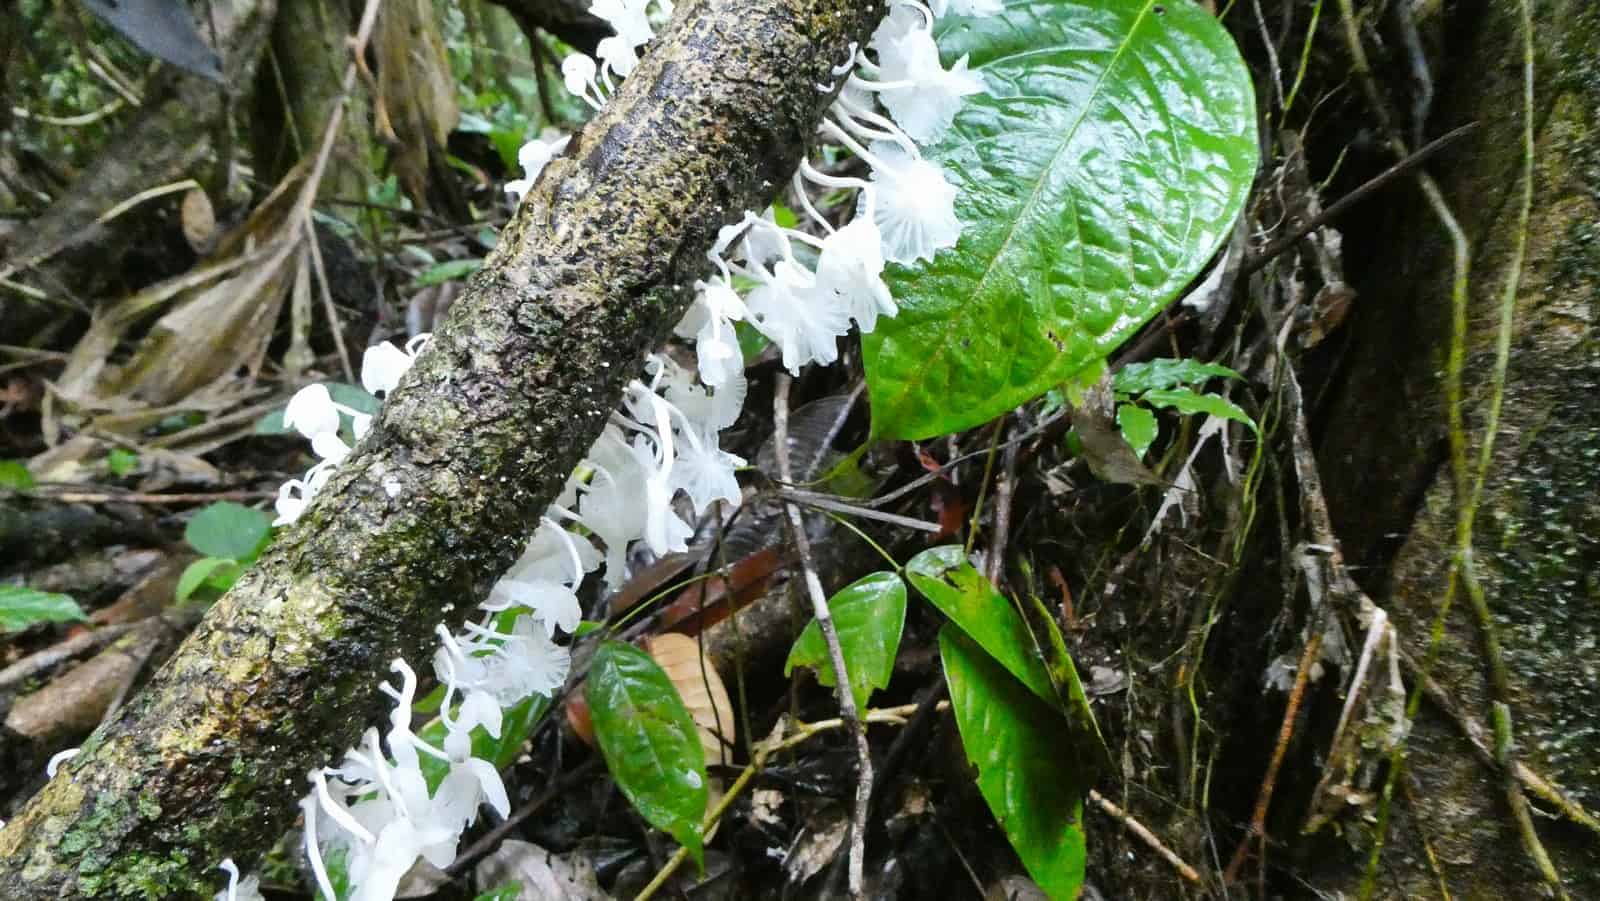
<point>701,689</point>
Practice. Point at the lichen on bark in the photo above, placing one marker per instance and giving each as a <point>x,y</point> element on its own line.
<point>589,277</point>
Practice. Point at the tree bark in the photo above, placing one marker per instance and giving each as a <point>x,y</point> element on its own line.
<point>437,501</point>
<point>1391,484</point>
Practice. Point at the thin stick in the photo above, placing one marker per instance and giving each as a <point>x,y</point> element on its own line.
<point>1003,490</point>
<point>828,503</point>
<point>62,651</point>
<point>142,196</point>
<point>139,497</point>
<point>327,301</point>
<point>81,119</point>
<point>1145,835</point>
<point>1258,819</point>
<point>819,605</point>
<point>1266,254</point>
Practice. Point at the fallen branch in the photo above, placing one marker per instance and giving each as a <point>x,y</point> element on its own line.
<point>830,635</point>
<point>438,499</point>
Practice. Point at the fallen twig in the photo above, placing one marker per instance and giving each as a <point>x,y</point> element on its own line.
<point>141,497</point>
<point>819,606</point>
<point>1145,835</point>
<point>1004,490</point>
<point>827,502</point>
<point>47,658</point>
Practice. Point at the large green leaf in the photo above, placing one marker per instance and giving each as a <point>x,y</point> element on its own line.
<point>944,577</point>
<point>1103,167</point>
<point>21,607</point>
<point>1016,742</point>
<point>649,741</point>
<point>869,615</point>
<point>1021,637</point>
<point>229,530</point>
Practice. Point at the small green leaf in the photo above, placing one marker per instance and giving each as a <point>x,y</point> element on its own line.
<point>448,271</point>
<point>869,615</point>
<point>1017,745</point>
<point>354,396</point>
<point>14,475</point>
<point>649,742</point>
<point>121,461</point>
<point>1135,378</point>
<point>21,607</point>
<point>218,572</point>
<point>1105,163</point>
<point>784,216</point>
<point>229,530</point>
<point>1187,401</point>
<point>1138,427</point>
<point>337,862</point>
<point>511,891</point>
<point>944,577</point>
<point>272,424</point>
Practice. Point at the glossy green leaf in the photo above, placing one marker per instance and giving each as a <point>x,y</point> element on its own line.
<point>1186,401</point>
<point>869,615</point>
<point>1087,748</point>
<point>649,741</point>
<point>1020,636</point>
<point>945,578</point>
<point>1165,373</point>
<point>22,607</point>
<point>14,475</point>
<point>1016,743</point>
<point>1105,164</point>
<point>228,530</point>
<point>1139,427</point>
<point>511,891</point>
<point>218,572</point>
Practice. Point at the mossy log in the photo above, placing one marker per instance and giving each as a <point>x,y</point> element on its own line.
<point>437,501</point>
